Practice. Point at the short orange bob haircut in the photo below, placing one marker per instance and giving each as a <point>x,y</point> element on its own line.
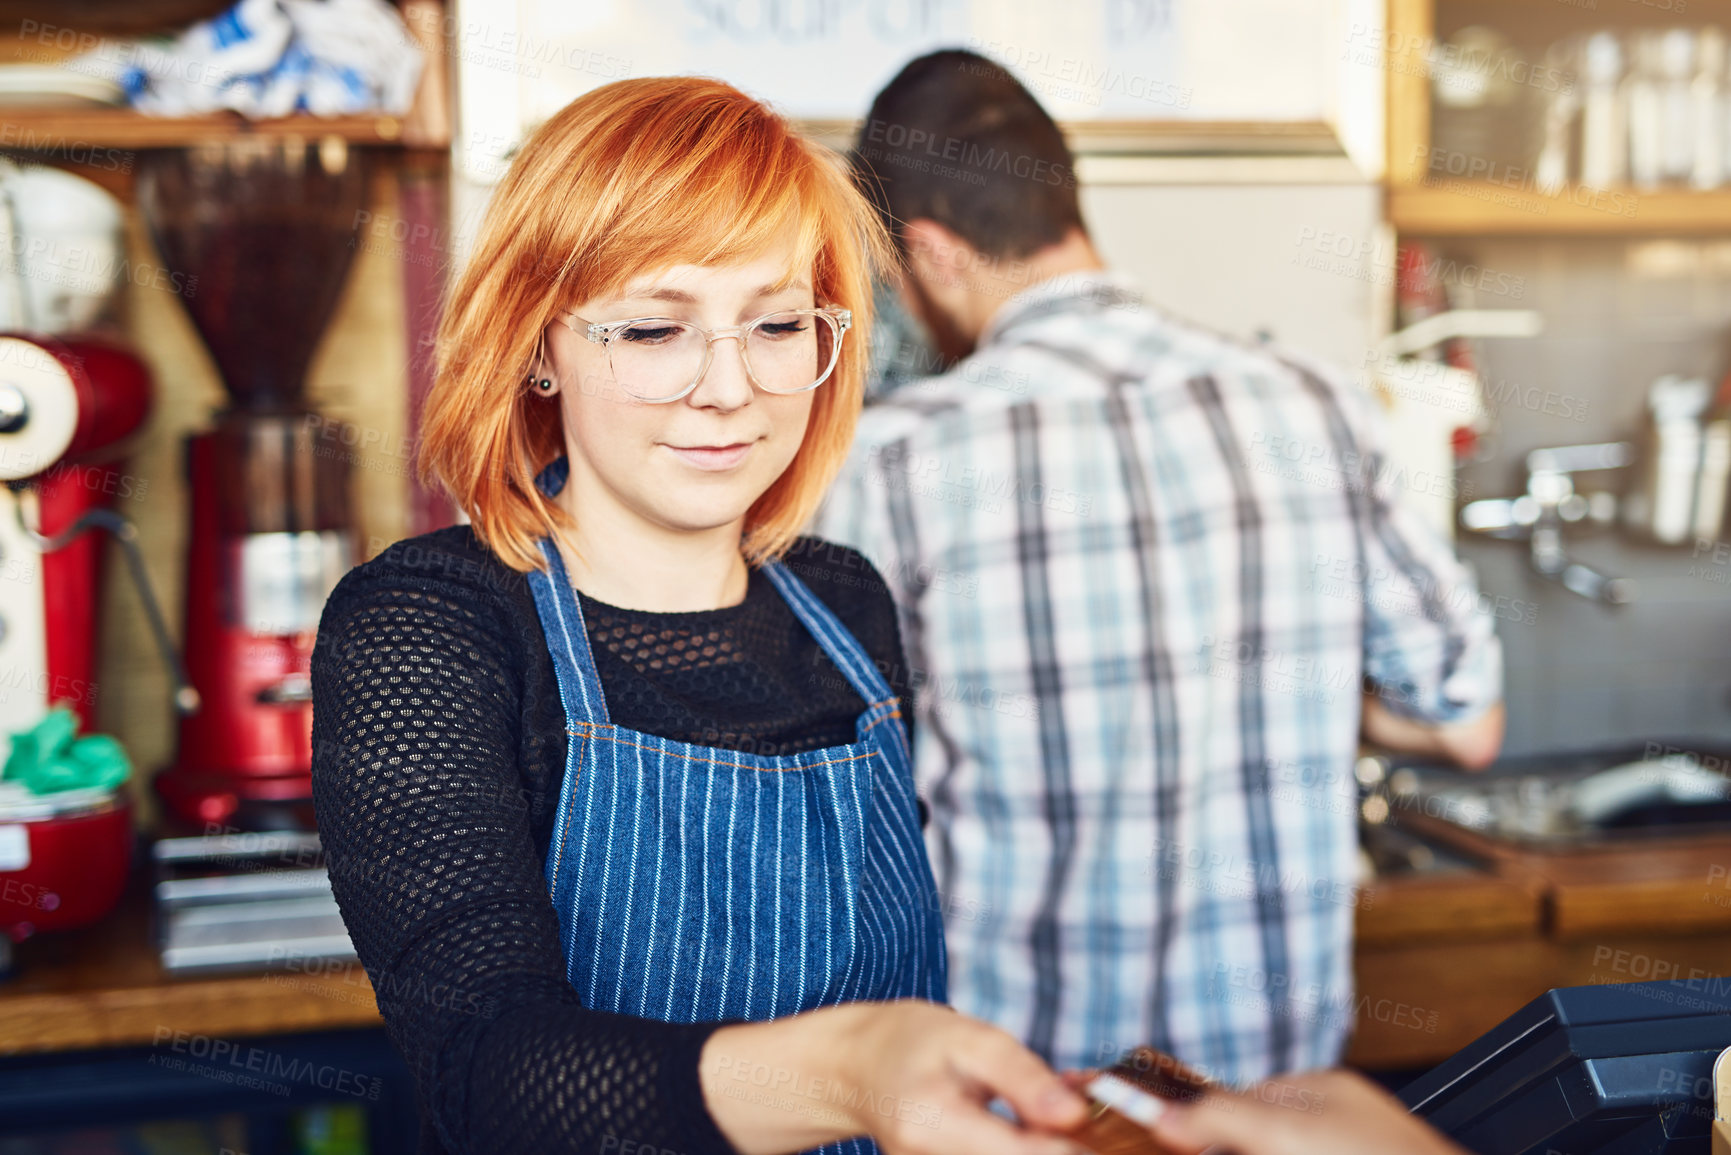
<point>634,177</point>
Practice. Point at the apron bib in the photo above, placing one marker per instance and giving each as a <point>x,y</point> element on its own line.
<point>694,883</point>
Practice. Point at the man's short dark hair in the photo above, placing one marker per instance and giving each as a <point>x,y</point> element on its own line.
<point>956,139</point>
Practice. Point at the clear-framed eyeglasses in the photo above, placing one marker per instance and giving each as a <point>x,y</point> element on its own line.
<point>661,359</point>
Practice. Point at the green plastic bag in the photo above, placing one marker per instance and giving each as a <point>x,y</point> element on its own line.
<point>49,758</point>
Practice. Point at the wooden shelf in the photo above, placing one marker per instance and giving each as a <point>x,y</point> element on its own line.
<point>1450,207</point>
<point>63,134</point>
<point>65,131</point>
<point>1162,138</point>
<point>1421,203</point>
<point>114,18</point>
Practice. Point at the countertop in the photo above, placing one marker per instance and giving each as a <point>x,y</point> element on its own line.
<point>1439,959</point>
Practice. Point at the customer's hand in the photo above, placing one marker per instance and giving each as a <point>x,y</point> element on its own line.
<point>1318,1113</point>
<point>915,1076</point>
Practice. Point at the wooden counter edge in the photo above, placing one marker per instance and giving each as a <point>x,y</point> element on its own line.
<point>218,1007</point>
<point>1681,906</point>
<point>1456,907</point>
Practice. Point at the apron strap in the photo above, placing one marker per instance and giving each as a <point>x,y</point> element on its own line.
<point>562,621</point>
<point>836,639</point>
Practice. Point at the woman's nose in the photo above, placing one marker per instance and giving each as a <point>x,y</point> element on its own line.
<point>725,384</point>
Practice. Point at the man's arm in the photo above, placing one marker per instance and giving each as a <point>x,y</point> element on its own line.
<point>1471,744</point>
<point>1431,652</point>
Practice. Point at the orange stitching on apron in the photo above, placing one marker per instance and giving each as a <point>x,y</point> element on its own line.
<point>717,761</point>
<point>896,713</point>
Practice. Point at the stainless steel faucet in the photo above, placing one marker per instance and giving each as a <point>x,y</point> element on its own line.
<point>1551,506</point>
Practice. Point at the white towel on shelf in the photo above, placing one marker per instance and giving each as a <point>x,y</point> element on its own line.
<point>357,42</point>
<point>271,58</point>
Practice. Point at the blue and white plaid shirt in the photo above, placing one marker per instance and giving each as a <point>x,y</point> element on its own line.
<point>1143,572</point>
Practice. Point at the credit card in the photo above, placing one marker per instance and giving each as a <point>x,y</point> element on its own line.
<point>1129,1097</point>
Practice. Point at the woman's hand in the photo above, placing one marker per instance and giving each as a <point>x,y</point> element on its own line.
<point>1318,1113</point>
<point>915,1076</point>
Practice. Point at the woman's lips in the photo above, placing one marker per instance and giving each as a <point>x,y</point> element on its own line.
<point>712,457</point>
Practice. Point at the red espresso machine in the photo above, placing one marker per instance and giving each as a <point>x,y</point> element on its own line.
<point>268,227</point>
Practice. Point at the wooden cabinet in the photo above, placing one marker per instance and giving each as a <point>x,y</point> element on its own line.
<point>1487,200</point>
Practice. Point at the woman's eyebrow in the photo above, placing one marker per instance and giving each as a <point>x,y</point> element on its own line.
<point>783,286</point>
<point>680,296</point>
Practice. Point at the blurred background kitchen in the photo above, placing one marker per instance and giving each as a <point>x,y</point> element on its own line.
<point>226,232</point>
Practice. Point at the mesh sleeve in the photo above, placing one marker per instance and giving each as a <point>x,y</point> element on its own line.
<point>426,823</point>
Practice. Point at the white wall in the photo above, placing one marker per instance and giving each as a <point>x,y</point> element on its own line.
<point>1117,60</point>
<point>1238,257</point>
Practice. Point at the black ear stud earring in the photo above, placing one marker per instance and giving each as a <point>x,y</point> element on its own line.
<point>545,384</point>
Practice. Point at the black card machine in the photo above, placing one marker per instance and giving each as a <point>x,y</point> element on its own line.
<point>1608,1070</point>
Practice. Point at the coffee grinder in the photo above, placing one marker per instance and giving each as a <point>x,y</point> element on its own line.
<point>268,227</point>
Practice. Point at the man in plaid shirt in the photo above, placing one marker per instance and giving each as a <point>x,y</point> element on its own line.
<point>1146,576</point>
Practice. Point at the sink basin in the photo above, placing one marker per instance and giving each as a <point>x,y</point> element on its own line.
<point>1575,799</point>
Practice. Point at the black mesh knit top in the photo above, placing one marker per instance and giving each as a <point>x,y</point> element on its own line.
<point>438,752</point>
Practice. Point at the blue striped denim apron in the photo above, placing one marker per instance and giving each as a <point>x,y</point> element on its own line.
<point>694,883</point>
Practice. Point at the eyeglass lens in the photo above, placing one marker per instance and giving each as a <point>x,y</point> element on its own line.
<point>784,352</point>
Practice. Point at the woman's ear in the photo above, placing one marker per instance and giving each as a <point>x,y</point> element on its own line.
<point>543,381</point>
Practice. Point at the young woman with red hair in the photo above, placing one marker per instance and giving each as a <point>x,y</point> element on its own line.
<point>615,794</point>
